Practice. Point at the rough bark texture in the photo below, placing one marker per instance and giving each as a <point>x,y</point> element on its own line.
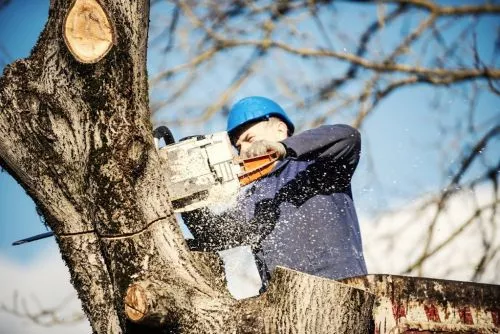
<point>78,138</point>
<point>300,303</point>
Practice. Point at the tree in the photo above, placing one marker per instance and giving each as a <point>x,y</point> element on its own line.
<point>77,136</point>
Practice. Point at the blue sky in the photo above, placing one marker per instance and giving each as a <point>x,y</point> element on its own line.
<point>20,24</point>
<point>402,136</point>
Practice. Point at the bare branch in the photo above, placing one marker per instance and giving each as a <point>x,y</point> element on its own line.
<point>452,188</point>
<point>418,263</point>
<point>449,10</point>
<point>43,316</point>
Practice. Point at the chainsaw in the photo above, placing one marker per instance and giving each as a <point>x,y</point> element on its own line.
<point>201,171</point>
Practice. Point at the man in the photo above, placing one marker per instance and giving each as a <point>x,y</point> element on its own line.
<point>302,214</point>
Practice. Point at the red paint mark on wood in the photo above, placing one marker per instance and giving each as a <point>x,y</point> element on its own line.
<point>398,310</point>
<point>432,313</point>
<point>496,317</point>
<point>465,315</point>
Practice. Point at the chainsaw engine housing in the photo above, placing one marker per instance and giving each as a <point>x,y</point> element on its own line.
<point>201,171</point>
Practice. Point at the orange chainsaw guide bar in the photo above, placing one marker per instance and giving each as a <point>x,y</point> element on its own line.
<point>256,167</point>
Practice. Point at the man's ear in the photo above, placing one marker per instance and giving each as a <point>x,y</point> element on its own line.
<point>282,130</point>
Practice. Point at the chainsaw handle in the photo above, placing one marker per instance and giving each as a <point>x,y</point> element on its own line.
<point>165,133</point>
<point>256,167</point>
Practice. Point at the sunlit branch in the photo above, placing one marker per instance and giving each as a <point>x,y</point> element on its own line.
<point>433,7</point>
<point>196,61</point>
<point>451,188</point>
<point>437,74</point>
<point>325,91</point>
<point>418,263</point>
<point>177,93</point>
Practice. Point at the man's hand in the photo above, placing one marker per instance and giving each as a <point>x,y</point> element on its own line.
<point>261,147</point>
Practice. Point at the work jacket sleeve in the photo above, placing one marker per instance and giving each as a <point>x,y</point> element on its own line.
<point>215,232</point>
<point>334,146</point>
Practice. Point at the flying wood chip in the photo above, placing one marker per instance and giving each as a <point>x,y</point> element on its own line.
<point>88,31</point>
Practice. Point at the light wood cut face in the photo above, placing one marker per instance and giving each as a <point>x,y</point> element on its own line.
<point>88,32</point>
<point>136,303</point>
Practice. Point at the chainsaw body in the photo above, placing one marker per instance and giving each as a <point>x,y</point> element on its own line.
<point>203,171</point>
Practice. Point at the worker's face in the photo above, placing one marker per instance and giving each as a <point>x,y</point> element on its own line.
<point>272,130</point>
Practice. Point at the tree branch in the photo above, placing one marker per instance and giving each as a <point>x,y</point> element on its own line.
<point>432,7</point>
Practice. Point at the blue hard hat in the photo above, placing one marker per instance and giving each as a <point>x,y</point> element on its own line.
<point>255,108</point>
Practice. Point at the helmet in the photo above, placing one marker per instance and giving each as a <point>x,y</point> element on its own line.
<point>255,108</point>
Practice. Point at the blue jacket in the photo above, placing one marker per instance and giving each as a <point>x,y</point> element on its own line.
<point>301,215</point>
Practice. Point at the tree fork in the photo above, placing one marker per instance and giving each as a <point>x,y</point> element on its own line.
<point>294,303</point>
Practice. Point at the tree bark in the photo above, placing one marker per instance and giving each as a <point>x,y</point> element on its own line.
<point>77,136</point>
<point>300,303</point>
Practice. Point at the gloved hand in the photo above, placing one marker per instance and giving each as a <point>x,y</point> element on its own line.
<point>261,147</point>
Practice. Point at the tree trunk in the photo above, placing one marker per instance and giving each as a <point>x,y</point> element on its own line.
<point>76,134</point>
